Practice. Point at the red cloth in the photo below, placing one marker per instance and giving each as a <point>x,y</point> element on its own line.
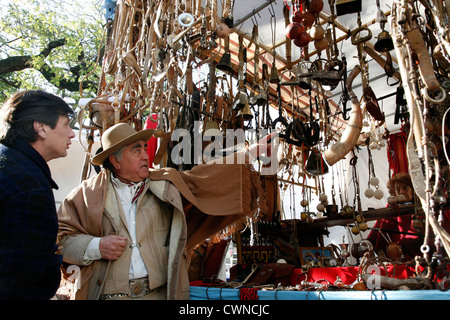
<point>398,162</point>
<point>409,243</point>
<point>396,152</point>
<point>201,283</point>
<point>152,143</point>
<point>347,275</point>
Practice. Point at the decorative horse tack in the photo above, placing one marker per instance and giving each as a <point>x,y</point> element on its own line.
<point>425,67</point>
<point>330,74</point>
<point>412,55</point>
<point>349,136</point>
<point>307,133</point>
<point>371,104</point>
<point>258,96</point>
<point>378,281</point>
<point>357,40</point>
<point>146,51</point>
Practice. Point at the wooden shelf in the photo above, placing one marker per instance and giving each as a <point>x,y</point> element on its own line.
<point>371,214</point>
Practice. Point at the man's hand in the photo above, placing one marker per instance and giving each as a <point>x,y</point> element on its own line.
<point>111,247</point>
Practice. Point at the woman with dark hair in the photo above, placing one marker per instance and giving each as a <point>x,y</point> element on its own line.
<point>401,186</point>
<point>34,129</point>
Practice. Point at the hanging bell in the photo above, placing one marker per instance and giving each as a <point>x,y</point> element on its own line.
<point>229,21</point>
<point>225,63</point>
<point>304,77</point>
<point>315,164</point>
<point>384,42</point>
<point>245,114</point>
<point>274,76</point>
<point>211,128</point>
<point>241,101</point>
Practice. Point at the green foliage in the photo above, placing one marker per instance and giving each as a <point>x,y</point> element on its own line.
<point>27,27</point>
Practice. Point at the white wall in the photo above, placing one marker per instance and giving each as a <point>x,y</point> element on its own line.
<point>381,168</point>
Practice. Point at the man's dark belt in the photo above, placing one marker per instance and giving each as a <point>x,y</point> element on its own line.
<point>137,288</point>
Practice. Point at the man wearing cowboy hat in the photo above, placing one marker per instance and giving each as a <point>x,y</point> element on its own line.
<point>129,229</point>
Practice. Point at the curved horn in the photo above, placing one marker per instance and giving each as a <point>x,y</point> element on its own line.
<point>351,133</point>
<point>349,136</point>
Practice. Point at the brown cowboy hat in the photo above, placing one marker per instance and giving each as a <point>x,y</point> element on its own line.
<point>117,137</point>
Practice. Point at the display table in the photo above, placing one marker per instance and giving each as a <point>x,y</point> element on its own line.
<point>344,275</point>
<point>347,275</point>
<point>212,293</point>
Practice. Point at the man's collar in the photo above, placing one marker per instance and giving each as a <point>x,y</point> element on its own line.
<point>115,176</point>
<point>37,158</point>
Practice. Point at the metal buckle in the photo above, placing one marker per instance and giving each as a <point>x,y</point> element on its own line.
<point>138,288</point>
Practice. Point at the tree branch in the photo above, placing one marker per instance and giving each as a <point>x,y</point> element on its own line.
<point>19,63</point>
<point>52,45</point>
<point>62,83</point>
<point>14,64</point>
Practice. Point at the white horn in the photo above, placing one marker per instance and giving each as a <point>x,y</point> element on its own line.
<point>349,136</point>
<point>351,133</point>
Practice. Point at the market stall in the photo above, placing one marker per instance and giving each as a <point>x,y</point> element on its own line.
<point>350,109</point>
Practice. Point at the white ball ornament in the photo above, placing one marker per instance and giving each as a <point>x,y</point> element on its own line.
<point>374,181</point>
<point>320,207</point>
<point>304,203</point>
<point>323,197</point>
<point>369,193</point>
<point>392,200</point>
<point>378,194</point>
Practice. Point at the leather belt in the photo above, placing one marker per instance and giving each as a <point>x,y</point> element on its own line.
<point>137,288</point>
